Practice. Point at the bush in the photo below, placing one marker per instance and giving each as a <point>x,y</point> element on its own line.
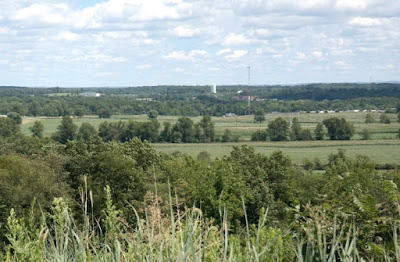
<point>259,135</point>
<point>384,119</point>
<point>365,134</point>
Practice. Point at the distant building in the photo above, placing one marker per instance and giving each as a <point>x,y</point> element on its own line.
<point>242,98</point>
<point>230,115</point>
<point>144,99</point>
<point>213,89</point>
<point>90,94</point>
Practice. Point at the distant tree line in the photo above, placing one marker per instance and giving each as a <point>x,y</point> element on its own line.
<point>281,130</point>
<point>196,101</point>
<point>183,131</point>
<point>186,131</point>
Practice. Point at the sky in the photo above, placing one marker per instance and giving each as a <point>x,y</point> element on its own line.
<point>84,43</point>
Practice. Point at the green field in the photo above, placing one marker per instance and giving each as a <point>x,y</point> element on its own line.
<point>384,148</point>
<point>381,151</point>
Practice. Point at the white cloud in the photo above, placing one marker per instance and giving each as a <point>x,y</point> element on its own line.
<point>7,31</point>
<point>287,34</point>
<point>366,49</point>
<point>351,4</point>
<point>104,58</point>
<point>317,54</point>
<point>28,69</point>
<point>104,74</point>
<point>235,39</point>
<point>365,21</point>
<point>176,55</point>
<point>143,67</point>
<point>186,55</point>
<point>90,57</point>
<point>301,56</point>
<point>68,36</point>
<point>343,65</point>
<point>119,34</point>
<point>262,32</point>
<point>178,70</point>
<point>236,54</point>
<point>45,13</point>
<point>341,52</point>
<point>224,51</point>
<point>185,31</point>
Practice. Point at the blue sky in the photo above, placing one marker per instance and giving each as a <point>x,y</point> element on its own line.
<point>80,43</point>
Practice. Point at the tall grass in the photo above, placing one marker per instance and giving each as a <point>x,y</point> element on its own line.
<point>181,235</point>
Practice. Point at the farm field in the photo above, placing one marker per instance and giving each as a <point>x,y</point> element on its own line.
<point>383,149</point>
<point>241,126</point>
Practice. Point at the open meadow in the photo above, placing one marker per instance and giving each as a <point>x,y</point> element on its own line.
<point>383,148</point>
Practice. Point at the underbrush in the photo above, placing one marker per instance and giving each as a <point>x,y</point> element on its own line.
<point>184,235</point>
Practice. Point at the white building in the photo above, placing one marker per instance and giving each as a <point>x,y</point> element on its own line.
<point>213,89</point>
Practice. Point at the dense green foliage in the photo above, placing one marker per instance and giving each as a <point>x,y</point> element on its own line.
<point>8,127</point>
<point>384,119</point>
<point>37,129</point>
<point>66,130</point>
<point>278,129</point>
<point>349,202</point>
<point>338,129</point>
<point>106,194</point>
<point>195,100</point>
<point>259,116</point>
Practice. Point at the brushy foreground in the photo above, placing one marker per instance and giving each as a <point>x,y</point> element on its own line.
<point>181,236</point>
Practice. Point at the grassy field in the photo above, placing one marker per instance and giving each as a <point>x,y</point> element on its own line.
<point>384,148</point>
<point>241,126</point>
<point>381,151</point>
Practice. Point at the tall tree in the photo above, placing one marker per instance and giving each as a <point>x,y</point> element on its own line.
<point>152,114</point>
<point>319,132</point>
<point>35,109</point>
<point>227,136</point>
<point>305,135</point>
<point>259,116</point>
<point>208,129</point>
<point>16,117</point>
<point>165,135</point>
<point>183,129</point>
<point>66,130</point>
<point>37,129</point>
<point>104,113</point>
<point>278,129</point>
<point>295,130</point>
<point>111,131</point>
<point>8,127</point>
<point>86,130</point>
<point>338,129</point>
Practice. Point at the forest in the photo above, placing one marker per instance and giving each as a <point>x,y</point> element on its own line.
<point>104,193</point>
<point>197,100</point>
<point>94,200</point>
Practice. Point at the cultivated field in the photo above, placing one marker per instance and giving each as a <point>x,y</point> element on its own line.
<point>380,151</point>
<point>383,148</point>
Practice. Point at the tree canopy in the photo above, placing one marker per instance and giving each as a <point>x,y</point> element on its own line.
<point>338,129</point>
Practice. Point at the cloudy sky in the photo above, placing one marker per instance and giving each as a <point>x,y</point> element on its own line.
<point>153,42</point>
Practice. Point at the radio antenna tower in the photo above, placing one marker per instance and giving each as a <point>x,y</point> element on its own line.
<point>249,95</point>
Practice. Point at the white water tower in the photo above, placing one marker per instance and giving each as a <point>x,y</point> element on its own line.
<point>213,89</point>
